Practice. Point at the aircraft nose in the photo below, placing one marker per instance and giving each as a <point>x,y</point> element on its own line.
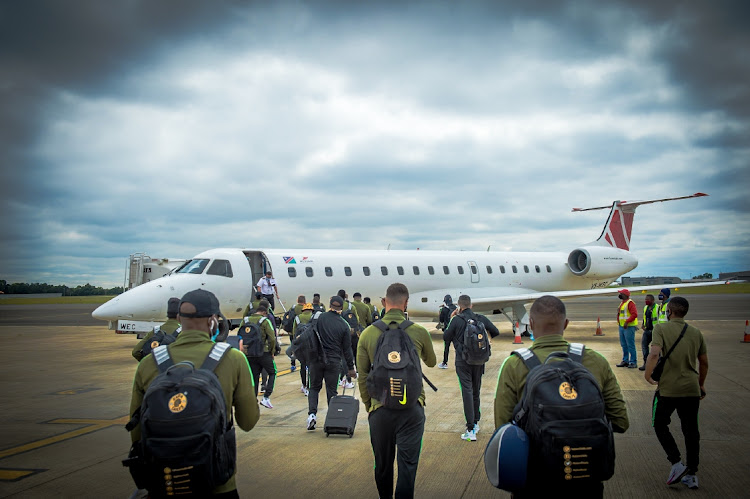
<point>109,311</point>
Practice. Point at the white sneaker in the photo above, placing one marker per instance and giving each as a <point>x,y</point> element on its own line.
<point>342,382</point>
<point>443,365</point>
<point>306,392</point>
<point>469,435</point>
<point>265,402</point>
<point>349,385</point>
<point>311,420</point>
<point>678,471</point>
<point>303,389</point>
<point>691,481</point>
<point>476,428</point>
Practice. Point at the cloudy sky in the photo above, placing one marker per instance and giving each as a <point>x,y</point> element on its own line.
<point>172,127</point>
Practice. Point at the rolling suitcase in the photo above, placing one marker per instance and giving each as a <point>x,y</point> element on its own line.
<point>342,415</point>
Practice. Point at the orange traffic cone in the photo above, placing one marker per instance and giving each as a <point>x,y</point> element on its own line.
<point>746,339</point>
<point>517,339</point>
<point>598,328</point>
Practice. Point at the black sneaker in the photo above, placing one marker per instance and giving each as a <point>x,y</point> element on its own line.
<point>642,368</point>
<point>622,364</point>
<point>632,365</point>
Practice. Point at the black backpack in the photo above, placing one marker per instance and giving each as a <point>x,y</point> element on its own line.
<point>287,321</point>
<point>252,337</point>
<point>395,378</point>
<point>476,345</point>
<point>562,411</point>
<point>159,338</point>
<point>375,314</point>
<point>188,443</point>
<point>306,344</point>
<point>351,319</point>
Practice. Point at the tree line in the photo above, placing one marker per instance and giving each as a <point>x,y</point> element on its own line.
<point>23,288</point>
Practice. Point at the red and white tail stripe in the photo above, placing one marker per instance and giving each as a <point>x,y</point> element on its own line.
<point>619,225</point>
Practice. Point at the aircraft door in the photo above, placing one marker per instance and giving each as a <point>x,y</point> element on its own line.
<point>473,271</point>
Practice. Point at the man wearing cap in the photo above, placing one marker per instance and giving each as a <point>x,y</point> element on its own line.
<point>198,315</point>
<point>627,319</point>
<point>303,317</point>
<point>168,327</point>
<point>664,298</point>
<point>267,287</point>
<point>336,345</point>
<point>650,318</point>
<point>265,362</point>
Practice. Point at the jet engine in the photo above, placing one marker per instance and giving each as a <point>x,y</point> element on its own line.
<point>601,261</point>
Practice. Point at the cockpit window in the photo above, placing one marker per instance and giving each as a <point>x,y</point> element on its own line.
<point>220,267</point>
<point>194,266</point>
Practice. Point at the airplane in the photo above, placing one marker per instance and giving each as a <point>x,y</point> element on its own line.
<point>498,282</point>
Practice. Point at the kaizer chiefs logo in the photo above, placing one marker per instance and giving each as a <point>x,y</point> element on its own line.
<point>567,391</point>
<point>178,403</point>
<point>394,357</point>
<point>247,329</point>
<point>154,344</point>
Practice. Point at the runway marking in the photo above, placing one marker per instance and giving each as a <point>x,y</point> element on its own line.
<point>16,474</point>
<point>75,391</point>
<point>92,425</point>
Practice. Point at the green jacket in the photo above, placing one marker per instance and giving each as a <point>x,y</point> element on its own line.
<point>363,313</point>
<point>366,353</point>
<point>168,327</point>
<point>304,318</point>
<point>233,372</point>
<point>513,372</point>
<point>268,335</point>
<point>680,376</point>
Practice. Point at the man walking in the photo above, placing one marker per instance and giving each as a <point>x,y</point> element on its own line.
<point>627,319</point>
<point>650,317</point>
<point>680,388</point>
<point>392,429</point>
<point>468,371</point>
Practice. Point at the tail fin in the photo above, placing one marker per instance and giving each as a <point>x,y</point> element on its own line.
<point>617,230</point>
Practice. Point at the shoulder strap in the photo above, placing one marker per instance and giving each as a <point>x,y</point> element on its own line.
<point>296,319</point>
<point>215,355</point>
<point>575,351</point>
<point>676,342</point>
<point>163,358</point>
<point>315,316</point>
<point>405,325</point>
<point>528,357</point>
<point>380,325</point>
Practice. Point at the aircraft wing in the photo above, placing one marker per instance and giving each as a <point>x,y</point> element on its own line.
<point>528,296</point>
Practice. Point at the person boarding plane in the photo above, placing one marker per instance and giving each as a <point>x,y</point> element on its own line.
<point>498,282</point>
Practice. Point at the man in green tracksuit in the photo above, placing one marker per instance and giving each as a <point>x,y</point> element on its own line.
<point>257,364</point>
<point>198,314</point>
<point>548,321</point>
<point>392,428</point>
<point>168,327</point>
<point>303,317</point>
<point>363,311</point>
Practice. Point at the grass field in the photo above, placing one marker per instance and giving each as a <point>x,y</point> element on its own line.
<point>55,300</point>
<point>742,287</point>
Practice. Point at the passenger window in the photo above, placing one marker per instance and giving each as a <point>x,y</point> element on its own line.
<point>348,271</point>
<point>220,267</point>
<point>489,269</point>
<point>329,272</point>
<point>194,267</point>
<point>384,270</point>
<point>502,269</point>
<point>431,270</point>
<point>526,268</point>
<point>538,270</point>
<point>366,271</point>
<point>291,271</point>
<point>309,271</point>
<point>460,270</point>
<point>415,269</point>
<point>445,270</point>
<point>400,270</point>
<point>515,269</point>
<point>549,269</point>
<point>474,269</point>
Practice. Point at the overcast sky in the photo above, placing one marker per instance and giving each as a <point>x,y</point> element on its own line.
<point>175,127</point>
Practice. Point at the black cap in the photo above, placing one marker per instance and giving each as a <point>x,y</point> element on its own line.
<point>173,307</point>
<point>205,302</point>
<point>666,292</point>
<point>337,301</point>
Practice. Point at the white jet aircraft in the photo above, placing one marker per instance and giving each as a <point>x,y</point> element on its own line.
<point>498,282</point>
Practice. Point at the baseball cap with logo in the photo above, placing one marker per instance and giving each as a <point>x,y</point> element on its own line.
<point>205,302</point>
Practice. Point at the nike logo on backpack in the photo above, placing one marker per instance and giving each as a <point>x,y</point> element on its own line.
<point>403,399</point>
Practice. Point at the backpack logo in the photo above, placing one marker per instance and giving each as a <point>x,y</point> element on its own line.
<point>394,357</point>
<point>178,403</point>
<point>403,399</point>
<point>154,344</point>
<point>247,329</point>
<point>567,391</point>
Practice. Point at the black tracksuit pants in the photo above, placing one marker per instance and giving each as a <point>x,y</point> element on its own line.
<point>446,351</point>
<point>318,372</point>
<point>257,364</point>
<point>392,429</point>
<point>645,342</point>
<point>687,411</point>
<point>470,378</point>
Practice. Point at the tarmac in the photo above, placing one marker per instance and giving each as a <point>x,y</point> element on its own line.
<point>66,390</point>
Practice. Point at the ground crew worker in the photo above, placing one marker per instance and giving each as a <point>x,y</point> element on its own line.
<point>548,321</point>
<point>664,298</point>
<point>393,430</point>
<point>265,361</point>
<point>266,286</point>
<point>198,311</point>
<point>169,327</point>
<point>650,317</point>
<point>303,317</point>
<point>469,376</point>
<point>335,343</point>
<point>680,388</point>
<point>627,319</point>
<point>363,312</point>
<point>444,317</point>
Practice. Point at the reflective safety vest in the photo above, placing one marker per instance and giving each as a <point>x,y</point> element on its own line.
<point>663,313</point>
<point>623,316</point>
<point>654,316</point>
